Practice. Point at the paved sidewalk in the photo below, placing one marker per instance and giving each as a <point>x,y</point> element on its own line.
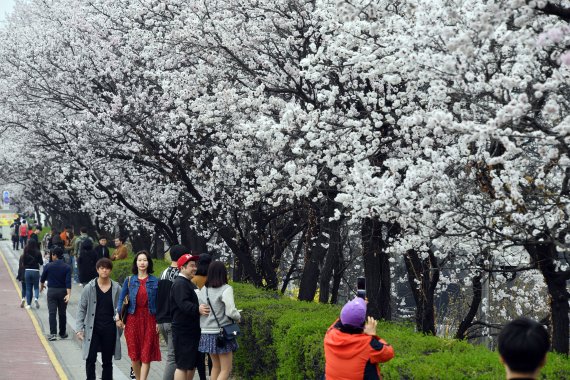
<point>25,355</point>
<point>66,351</point>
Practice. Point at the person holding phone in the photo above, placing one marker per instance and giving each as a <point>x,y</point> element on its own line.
<point>352,348</point>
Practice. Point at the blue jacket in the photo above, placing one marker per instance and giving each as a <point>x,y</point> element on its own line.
<point>132,287</point>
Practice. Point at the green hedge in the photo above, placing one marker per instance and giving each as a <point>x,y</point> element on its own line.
<point>283,339</point>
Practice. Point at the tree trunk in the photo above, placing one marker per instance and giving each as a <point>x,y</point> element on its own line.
<point>246,269</point>
<point>293,266</point>
<point>338,271</point>
<point>331,260</point>
<point>423,275</point>
<point>191,239</point>
<point>377,266</point>
<point>545,256</point>
<point>314,252</point>
<point>473,308</point>
<point>142,240</point>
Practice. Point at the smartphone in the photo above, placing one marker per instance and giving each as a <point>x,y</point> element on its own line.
<point>361,287</point>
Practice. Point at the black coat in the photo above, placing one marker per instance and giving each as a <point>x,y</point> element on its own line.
<point>102,251</point>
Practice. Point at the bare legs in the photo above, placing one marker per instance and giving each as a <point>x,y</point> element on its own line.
<point>140,369</point>
<point>184,374</point>
<point>221,366</point>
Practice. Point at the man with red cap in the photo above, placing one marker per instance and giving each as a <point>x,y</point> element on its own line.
<point>186,311</point>
<point>352,348</point>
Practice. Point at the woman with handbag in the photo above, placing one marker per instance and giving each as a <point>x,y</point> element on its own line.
<point>141,329</point>
<point>219,296</point>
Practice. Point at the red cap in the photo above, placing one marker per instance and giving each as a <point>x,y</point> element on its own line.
<point>185,258</point>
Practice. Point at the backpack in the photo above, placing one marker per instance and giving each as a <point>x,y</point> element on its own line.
<point>86,245</point>
<point>23,230</point>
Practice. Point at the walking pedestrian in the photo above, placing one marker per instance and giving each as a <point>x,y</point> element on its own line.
<point>15,226</point>
<point>120,249</point>
<point>23,233</point>
<point>141,330</point>
<point>96,321</point>
<point>185,318</point>
<point>32,260</point>
<point>163,309</point>
<point>15,241</point>
<point>58,276</point>
<point>22,278</point>
<point>86,260</point>
<point>220,297</point>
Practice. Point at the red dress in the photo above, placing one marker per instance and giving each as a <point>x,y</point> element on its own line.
<point>140,331</point>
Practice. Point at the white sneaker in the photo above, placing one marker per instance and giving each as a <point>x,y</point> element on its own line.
<point>23,303</point>
<point>28,307</point>
<point>36,303</point>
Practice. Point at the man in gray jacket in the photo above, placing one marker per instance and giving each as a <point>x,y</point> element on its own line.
<point>96,321</point>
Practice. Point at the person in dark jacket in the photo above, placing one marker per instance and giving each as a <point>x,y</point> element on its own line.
<point>186,312</point>
<point>22,278</point>
<point>86,260</point>
<point>352,348</point>
<point>58,275</point>
<point>102,250</point>
<point>32,260</point>
<point>163,317</point>
<point>16,233</point>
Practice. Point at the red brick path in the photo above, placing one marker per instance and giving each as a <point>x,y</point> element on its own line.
<point>22,355</point>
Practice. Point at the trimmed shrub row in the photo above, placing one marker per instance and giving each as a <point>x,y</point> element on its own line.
<point>283,339</point>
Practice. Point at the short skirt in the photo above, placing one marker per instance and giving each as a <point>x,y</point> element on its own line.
<point>208,344</point>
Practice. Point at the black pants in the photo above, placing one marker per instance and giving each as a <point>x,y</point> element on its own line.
<point>201,365</point>
<point>103,340</point>
<point>57,306</point>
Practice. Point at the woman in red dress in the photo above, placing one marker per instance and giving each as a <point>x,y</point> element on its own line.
<point>141,330</point>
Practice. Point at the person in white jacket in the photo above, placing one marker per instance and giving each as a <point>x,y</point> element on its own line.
<point>219,296</point>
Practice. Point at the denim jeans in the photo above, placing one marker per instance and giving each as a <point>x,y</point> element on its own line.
<point>74,271</point>
<point>32,282</point>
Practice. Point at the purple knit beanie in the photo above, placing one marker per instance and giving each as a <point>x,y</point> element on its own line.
<point>354,313</point>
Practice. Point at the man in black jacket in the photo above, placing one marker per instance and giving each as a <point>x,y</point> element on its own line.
<point>102,250</point>
<point>186,318</point>
<point>163,317</point>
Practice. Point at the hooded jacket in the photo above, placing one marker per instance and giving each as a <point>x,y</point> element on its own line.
<point>350,354</point>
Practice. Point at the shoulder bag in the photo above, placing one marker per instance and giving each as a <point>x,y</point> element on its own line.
<point>228,332</point>
<point>125,307</point>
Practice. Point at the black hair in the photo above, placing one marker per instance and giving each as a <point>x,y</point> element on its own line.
<point>217,275</point>
<point>83,230</point>
<point>523,344</point>
<point>123,239</point>
<point>135,269</point>
<point>176,251</point>
<point>104,263</point>
<point>203,264</point>
<point>58,252</point>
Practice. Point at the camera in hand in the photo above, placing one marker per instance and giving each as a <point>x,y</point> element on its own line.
<point>361,287</point>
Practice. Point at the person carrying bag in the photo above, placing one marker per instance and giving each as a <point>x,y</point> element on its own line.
<point>219,327</point>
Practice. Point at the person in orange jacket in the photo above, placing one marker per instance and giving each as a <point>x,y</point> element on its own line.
<point>352,348</point>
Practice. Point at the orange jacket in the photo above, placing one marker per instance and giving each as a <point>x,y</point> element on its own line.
<point>120,253</point>
<point>65,239</point>
<point>354,356</point>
